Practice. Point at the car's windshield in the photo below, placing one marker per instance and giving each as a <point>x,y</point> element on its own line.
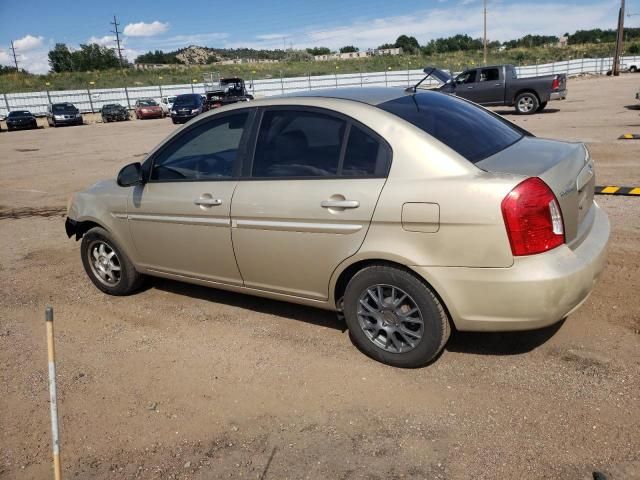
<point>187,101</point>
<point>471,131</point>
<point>112,106</point>
<point>147,103</point>
<point>64,108</point>
<point>19,113</point>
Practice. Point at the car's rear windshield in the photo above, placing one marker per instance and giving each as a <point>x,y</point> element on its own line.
<point>471,131</point>
<point>19,113</point>
<point>64,108</point>
<point>148,103</point>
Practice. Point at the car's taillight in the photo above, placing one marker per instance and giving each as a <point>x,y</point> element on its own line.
<point>555,85</point>
<point>533,218</point>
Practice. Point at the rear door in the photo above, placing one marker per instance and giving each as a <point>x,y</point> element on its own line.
<point>307,199</point>
<point>489,89</point>
<point>179,220</point>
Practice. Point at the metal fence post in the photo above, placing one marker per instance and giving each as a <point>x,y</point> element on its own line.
<point>49,98</point>
<point>192,90</point>
<point>126,92</point>
<point>281,83</point>
<point>386,83</point>
<point>6,102</point>
<point>90,101</point>
<point>160,88</point>
<point>309,80</point>
<point>335,75</point>
<point>361,77</point>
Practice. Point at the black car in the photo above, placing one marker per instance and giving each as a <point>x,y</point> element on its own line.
<point>186,107</point>
<point>63,114</point>
<point>113,112</point>
<point>19,119</point>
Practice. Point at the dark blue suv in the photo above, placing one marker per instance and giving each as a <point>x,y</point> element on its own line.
<point>186,107</point>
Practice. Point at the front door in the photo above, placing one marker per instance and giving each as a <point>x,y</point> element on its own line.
<point>179,219</point>
<point>308,199</point>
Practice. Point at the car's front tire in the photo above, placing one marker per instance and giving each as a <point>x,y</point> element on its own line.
<point>394,317</point>
<point>107,265</point>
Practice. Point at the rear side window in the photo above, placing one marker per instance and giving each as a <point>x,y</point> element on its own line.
<point>362,154</point>
<point>489,75</point>
<point>295,143</point>
<point>471,131</point>
<point>208,151</point>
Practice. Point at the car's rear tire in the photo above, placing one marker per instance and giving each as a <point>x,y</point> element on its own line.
<point>107,265</point>
<point>394,317</point>
<point>527,103</point>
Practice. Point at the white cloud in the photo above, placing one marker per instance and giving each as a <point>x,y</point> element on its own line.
<point>142,29</point>
<point>272,36</point>
<point>28,42</point>
<point>4,57</point>
<point>106,41</point>
<point>504,23</point>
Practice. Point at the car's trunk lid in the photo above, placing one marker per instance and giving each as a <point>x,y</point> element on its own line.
<point>565,167</point>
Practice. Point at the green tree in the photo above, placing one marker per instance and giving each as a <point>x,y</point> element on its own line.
<point>60,59</point>
<point>634,49</point>
<point>94,57</point>
<point>318,51</point>
<point>408,44</point>
<point>349,49</point>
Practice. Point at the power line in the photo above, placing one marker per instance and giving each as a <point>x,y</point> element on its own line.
<point>116,25</point>
<point>15,58</point>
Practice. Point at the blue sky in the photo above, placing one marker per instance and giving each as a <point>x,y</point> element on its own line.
<point>36,25</point>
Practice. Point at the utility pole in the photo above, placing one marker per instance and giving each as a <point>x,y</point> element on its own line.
<point>619,39</point>
<point>15,58</point>
<point>115,26</point>
<point>484,43</point>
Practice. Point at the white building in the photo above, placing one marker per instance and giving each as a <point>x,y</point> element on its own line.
<point>351,55</point>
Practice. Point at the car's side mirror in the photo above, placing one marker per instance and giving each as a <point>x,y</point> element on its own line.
<point>130,175</point>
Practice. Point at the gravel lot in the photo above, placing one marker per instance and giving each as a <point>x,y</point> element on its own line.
<point>185,382</point>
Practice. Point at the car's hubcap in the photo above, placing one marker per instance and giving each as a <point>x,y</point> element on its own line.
<point>104,262</point>
<point>390,318</point>
<point>525,104</point>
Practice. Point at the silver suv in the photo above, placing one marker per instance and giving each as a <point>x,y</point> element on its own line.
<point>408,212</point>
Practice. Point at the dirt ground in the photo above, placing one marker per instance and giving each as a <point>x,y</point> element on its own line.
<point>185,382</point>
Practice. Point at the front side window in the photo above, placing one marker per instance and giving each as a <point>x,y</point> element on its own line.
<point>298,144</point>
<point>470,130</point>
<point>208,151</point>
<point>466,77</point>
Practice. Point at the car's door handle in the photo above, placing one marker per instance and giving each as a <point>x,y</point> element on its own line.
<point>340,204</point>
<point>207,201</point>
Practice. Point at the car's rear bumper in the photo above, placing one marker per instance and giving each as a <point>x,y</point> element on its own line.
<point>537,291</point>
<point>22,126</point>
<point>561,95</point>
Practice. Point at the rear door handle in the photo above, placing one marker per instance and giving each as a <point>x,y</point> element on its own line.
<point>207,201</point>
<point>340,204</point>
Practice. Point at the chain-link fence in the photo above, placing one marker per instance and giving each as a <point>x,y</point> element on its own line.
<point>92,100</point>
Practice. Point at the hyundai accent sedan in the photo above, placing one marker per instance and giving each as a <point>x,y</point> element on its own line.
<point>409,213</point>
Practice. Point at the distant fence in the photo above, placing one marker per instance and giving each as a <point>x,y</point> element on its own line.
<point>91,100</point>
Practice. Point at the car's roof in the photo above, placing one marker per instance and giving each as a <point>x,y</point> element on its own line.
<point>371,95</point>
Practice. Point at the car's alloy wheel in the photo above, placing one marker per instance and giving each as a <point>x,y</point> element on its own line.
<point>526,103</point>
<point>394,317</point>
<point>107,265</point>
<point>390,318</point>
<point>104,262</point>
